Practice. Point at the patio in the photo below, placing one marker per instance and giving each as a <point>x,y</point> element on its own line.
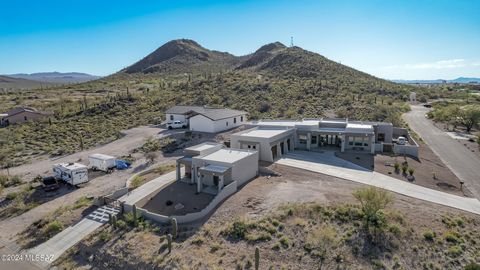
<point>178,198</point>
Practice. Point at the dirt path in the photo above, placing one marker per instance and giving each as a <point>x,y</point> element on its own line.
<point>133,138</point>
<point>98,186</point>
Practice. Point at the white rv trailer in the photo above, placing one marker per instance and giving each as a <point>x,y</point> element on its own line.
<point>101,162</point>
<point>72,173</point>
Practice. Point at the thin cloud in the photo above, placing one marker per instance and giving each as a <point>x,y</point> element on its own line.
<point>441,64</point>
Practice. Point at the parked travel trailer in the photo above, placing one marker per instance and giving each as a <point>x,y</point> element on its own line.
<point>101,162</point>
<point>72,173</point>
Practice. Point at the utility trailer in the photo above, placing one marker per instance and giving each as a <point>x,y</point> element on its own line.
<point>102,162</point>
<point>71,173</point>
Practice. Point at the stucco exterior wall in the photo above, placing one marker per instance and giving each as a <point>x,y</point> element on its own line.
<point>385,129</point>
<point>203,124</point>
<point>176,117</point>
<point>245,169</point>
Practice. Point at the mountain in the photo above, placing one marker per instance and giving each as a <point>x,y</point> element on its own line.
<point>183,56</point>
<point>56,77</point>
<point>463,80</point>
<point>7,82</point>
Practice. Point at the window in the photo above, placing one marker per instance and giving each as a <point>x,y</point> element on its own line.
<point>302,139</point>
<point>171,117</point>
<point>226,123</point>
<point>234,120</point>
<point>381,137</point>
<point>314,139</point>
<point>249,146</point>
<point>25,117</point>
<point>350,140</point>
<point>241,118</point>
<point>254,147</point>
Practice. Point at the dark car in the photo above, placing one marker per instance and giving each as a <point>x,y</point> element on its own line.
<point>427,105</point>
<point>50,183</point>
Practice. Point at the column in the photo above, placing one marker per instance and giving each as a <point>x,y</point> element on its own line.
<point>220,183</point>
<point>279,151</point>
<point>178,170</point>
<point>193,175</point>
<point>199,183</point>
<point>343,138</point>
<point>309,140</point>
<point>372,143</point>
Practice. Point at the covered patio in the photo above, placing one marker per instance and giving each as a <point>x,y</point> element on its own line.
<point>212,178</point>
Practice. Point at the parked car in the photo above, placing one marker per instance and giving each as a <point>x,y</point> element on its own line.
<point>50,183</point>
<point>176,124</point>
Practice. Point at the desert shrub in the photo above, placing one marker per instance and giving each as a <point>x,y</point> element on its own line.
<point>429,235</point>
<point>238,229</point>
<point>404,169</point>
<point>454,251</point>
<point>373,201</point>
<point>11,196</point>
<point>82,202</point>
<point>452,237</point>
<point>472,266</point>
<point>137,181</point>
<point>396,166</point>
<point>321,241</point>
<point>105,236</point>
<point>395,230</point>
<point>411,171</point>
<point>284,241</point>
<point>53,227</point>
<point>198,240</point>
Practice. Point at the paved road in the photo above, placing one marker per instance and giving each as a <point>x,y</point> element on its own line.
<point>66,239</point>
<point>463,163</point>
<point>327,163</point>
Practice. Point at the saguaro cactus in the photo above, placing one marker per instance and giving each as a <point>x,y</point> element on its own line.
<point>110,221</point>
<point>169,239</point>
<point>135,217</point>
<point>174,228</point>
<point>257,258</point>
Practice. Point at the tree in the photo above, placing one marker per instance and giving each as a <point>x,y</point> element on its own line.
<point>468,116</point>
<point>373,200</point>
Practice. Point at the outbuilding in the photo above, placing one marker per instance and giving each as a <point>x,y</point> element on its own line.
<point>206,119</point>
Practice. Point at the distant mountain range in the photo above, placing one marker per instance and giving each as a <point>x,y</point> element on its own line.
<point>439,81</point>
<point>19,83</point>
<point>56,77</point>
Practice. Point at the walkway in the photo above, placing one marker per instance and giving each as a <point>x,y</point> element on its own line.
<point>66,239</point>
<point>463,163</point>
<point>327,163</point>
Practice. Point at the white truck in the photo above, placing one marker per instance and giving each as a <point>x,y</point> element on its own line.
<point>176,124</point>
<point>101,162</point>
<point>71,173</point>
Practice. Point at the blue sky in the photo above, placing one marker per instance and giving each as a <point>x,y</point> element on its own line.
<point>403,39</point>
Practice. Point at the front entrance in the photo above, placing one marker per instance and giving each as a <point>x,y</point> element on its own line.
<point>216,180</point>
<point>274,152</point>
<point>328,140</point>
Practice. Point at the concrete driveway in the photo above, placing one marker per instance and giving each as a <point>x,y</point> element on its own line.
<point>463,163</point>
<point>327,163</point>
<point>67,238</point>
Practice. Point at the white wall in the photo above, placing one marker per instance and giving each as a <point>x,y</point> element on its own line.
<point>176,117</point>
<point>245,169</point>
<point>204,124</point>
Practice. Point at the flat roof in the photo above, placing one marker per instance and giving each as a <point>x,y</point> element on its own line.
<point>101,156</point>
<point>228,155</point>
<point>202,146</point>
<point>71,166</point>
<point>264,133</point>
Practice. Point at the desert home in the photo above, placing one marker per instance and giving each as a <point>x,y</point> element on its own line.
<point>211,166</point>
<point>206,119</point>
<point>20,115</point>
<point>274,138</point>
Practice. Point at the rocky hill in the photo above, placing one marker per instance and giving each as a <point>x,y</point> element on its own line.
<point>183,55</point>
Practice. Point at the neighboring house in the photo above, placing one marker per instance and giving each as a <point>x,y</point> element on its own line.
<point>204,119</point>
<point>276,137</point>
<point>21,115</point>
<point>211,166</point>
